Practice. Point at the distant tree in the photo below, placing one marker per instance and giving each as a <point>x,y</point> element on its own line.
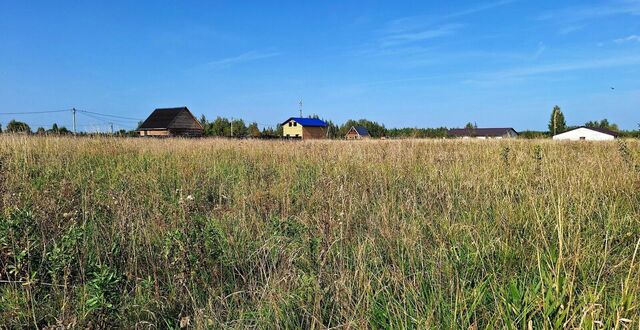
<point>271,132</point>
<point>470,126</point>
<point>604,123</point>
<point>557,123</point>
<point>203,120</point>
<point>532,135</point>
<point>54,128</point>
<point>239,129</point>
<point>41,131</point>
<point>406,132</point>
<point>333,130</point>
<point>1,127</point>
<point>253,130</point>
<point>18,127</point>
<point>219,127</point>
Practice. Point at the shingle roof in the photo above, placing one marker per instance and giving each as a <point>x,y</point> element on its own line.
<point>597,129</point>
<point>362,131</point>
<point>164,118</point>
<point>480,131</point>
<point>311,122</point>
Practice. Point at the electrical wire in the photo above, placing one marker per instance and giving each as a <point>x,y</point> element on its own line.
<point>109,121</point>
<point>33,112</point>
<point>106,115</point>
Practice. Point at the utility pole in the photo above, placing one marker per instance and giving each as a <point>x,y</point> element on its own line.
<point>74,120</point>
<point>300,107</point>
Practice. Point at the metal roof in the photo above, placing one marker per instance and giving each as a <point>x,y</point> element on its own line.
<point>164,118</point>
<point>311,122</point>
<point>361,130</point>
<point>597,129</point>
<point>481,131</point>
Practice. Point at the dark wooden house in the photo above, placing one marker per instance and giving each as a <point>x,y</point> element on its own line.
<point>171,122</point>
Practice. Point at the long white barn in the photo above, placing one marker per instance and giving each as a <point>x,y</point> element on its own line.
<point>587,133</point>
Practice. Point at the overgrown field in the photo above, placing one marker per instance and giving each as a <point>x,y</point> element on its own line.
<point>209,233</point>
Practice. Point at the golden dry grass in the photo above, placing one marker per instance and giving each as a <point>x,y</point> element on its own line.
<point>144,233</point>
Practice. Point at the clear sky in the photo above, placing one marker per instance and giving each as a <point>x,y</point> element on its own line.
<point>402,63</point>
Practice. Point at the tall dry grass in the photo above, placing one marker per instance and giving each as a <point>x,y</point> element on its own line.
<point>151,233</point>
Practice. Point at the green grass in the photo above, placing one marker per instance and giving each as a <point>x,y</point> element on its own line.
<point>370,234</point>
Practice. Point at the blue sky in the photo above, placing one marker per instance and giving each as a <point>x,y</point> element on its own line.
<point>402,63</point>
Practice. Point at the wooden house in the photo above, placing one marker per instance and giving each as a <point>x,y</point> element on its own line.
<point>357,133</point>
<point>171,122</point>
<point>304,128</point>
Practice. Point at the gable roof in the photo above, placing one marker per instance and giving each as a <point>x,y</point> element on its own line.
<point>498,131</point>
<point>311,122</point>
<point>361,130</point>
<point>165,118</point>
<point>597,129</point>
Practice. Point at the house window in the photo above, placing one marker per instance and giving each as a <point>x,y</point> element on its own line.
<point>583,138</point>
<point>297,135</point>
<point>295,124</point>
<point>290,124</point>
<point>288,135</point>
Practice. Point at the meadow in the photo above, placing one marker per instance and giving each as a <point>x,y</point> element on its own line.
<point>213,233</point>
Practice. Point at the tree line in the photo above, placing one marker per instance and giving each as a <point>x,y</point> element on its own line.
<point>238,128</point>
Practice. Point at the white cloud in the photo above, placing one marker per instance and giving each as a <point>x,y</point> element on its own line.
<point>418,28</point>
<point>581,13</point>
<point>560,67</point>
<point>249,56</point>
<point>480,8</point>
<point>627,39</point>
<point>404,37</point>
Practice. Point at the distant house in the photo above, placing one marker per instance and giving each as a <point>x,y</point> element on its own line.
<point>483,133</point>
<point>171,122</point>
<point>304,128</point>
<point>357,132</point>
<point>587,133</point>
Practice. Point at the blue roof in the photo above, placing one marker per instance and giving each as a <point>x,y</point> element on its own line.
<point>312,122</point>
<point>362,131</point>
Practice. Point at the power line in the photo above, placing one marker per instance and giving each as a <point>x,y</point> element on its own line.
<point>106,115</point>
<point>105,120</point>
<point>33,112</point>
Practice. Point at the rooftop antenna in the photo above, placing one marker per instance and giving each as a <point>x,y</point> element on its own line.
<point>300,107</point>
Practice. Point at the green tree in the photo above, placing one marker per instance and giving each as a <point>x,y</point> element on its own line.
<point>41,131</point>
<point>604,123</point>
<point>557,123</point>
<point>253,130</point>
<point>63,130</point>
<point>1,128</point>
<point>219,127</point>
<point>18,127</point>
<point>238,129</point>
<point>54,128</point>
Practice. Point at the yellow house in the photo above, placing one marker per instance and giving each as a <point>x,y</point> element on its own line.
<point>304,128</point>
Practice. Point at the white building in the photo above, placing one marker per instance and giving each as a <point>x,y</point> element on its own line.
<point>586,133</point>
<point>483,133</point>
